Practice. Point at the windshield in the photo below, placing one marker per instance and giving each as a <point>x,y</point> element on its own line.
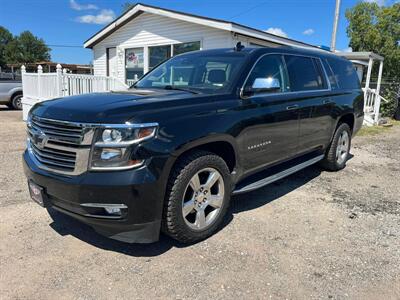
<point>197,72</point>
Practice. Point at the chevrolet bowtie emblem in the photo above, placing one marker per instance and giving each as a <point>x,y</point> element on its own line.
<point>39,139</point>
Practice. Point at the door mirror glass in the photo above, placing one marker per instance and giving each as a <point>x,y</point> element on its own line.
<point>266,84</point>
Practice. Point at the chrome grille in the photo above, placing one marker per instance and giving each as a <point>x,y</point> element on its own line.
<point>58,131</point>
<point>60,160</point>
<point>59,146</point>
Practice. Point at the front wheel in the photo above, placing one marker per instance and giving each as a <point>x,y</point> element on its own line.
<point>339,150</point>
<point>197,197</point>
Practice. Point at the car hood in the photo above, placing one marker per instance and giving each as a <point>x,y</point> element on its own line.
<point>111,107</point>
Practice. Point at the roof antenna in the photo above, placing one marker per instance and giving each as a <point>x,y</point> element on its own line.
<point>238,46</point>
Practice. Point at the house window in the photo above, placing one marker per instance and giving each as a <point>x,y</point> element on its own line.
<point>158,54</point>
<point>186,47</point>
<point>134,63</point>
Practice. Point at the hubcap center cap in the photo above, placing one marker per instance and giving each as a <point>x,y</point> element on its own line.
<point>200,200</point>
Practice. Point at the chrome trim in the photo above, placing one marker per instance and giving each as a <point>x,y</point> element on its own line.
<point>91,168</point>
<point>101,144</point>
<point>104,205</point>
<point>267,180</point>
<point>101,125</point>
<point>282,93</point>
<point>80,166</point>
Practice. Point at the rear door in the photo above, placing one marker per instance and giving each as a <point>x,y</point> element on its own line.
<point>308,83</point>
<point>272,128</point>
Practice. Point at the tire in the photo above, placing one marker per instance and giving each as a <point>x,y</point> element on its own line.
<point>182,216</point>
<point>338,151</point>
<point>16,102</point>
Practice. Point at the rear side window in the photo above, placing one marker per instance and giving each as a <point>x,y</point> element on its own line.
<point>329,73</point>
<point>345,73</point>
<point>304,74</point>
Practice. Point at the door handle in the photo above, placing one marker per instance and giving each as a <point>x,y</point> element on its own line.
<point>291,107</point>
<point>326,101</point>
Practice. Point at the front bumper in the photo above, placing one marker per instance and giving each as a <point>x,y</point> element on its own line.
<point>140,190</point>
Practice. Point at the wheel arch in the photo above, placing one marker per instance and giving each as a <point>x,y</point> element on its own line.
<point>221,145</point>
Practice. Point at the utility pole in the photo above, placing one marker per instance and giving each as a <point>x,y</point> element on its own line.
<point>335,26</point>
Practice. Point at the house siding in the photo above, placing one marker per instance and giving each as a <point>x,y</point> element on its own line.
<point>150,30</point>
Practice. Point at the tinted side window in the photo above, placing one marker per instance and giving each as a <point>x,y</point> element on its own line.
<point>304,75</point>
<point>329,73</point>
<point>270,66</point>
<point>345,73</point>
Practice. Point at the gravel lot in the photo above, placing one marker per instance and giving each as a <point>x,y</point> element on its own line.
<point>313,235</point>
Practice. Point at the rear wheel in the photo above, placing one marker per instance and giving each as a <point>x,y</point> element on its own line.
<point>16,102</point>
<point>197,197</point>
<point>338,152</point>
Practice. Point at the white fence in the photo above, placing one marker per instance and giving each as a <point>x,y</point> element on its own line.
<point>44,86</point>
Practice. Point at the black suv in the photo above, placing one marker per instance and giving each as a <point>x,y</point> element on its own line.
<point>168,153</point>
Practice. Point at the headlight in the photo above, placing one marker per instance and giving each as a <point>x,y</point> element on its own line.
<point>113,146</point>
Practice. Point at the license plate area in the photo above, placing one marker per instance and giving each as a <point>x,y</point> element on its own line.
<point>37,193</point>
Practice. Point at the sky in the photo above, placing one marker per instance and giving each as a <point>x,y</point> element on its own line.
<point>69,23</point>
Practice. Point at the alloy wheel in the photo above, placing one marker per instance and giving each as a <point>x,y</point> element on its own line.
<point>342,149</point>
<point>203,199</point>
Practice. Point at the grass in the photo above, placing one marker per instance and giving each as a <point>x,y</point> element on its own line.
<point>375,130</point>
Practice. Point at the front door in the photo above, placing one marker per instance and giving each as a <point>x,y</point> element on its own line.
<point>272,128</point>
<point>112,62</point>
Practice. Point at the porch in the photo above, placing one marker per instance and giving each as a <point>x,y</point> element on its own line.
<point>364,62</point>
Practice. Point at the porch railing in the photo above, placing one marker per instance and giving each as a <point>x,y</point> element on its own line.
<point>44,86</point>
<point>372,103</point>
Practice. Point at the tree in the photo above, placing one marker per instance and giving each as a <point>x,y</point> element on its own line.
<point>127,6</point>
<point>5,38</point>
<point>26,48</point>
<point>377,28</point>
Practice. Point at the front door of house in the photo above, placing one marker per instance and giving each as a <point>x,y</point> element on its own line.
<point>112,62</point>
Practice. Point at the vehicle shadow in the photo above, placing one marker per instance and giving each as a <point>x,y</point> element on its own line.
<point>274,191</point>
<point>66,225</point>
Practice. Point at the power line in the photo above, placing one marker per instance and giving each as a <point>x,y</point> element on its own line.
<point>65,46</point>
<point>249,9</point>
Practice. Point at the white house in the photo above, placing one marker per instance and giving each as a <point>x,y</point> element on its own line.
<point>146,35</point>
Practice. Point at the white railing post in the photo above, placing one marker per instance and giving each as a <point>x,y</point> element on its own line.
<point>59,80</point>
<point>378,97</point>
<point>39,80</point>
<point>24,84</point>
<point>65,83</point>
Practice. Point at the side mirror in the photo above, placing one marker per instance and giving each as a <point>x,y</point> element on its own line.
<point>263,85</point>
<point>266,84</point>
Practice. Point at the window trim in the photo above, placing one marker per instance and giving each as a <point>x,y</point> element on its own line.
<point>328,89</point>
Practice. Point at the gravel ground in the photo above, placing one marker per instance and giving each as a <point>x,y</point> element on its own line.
<point>313,235</point>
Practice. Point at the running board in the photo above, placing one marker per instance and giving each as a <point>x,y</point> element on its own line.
<point>267,180</point>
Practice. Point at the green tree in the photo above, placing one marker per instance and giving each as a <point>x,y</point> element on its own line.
<point>5,38</point>
<point>26,48</point>
<point>377,28</point>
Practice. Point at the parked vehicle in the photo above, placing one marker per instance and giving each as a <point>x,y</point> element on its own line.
<point>169,152</point>
<point>11,91</point>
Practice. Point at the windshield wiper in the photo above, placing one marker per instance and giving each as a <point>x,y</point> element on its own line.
<point>177,88</point>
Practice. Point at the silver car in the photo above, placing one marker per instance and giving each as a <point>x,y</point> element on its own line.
<point>11,92</point>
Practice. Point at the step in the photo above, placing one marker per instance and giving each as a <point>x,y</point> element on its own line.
<point>271,177</point>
